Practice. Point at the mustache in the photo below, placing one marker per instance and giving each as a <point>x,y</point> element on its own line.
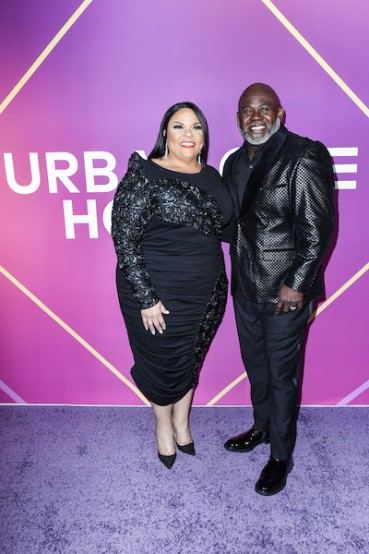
<point>267,124</point>
<point>271,129</point>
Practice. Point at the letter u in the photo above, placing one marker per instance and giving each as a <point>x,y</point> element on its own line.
<point>35,174</point>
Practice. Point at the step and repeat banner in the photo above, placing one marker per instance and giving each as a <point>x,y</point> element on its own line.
<point>83,85</point>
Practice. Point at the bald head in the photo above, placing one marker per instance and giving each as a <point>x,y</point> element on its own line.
<point>260,90</point>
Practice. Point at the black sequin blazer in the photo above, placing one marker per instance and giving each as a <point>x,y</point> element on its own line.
<point>286,219</point>
<point>137,199</point>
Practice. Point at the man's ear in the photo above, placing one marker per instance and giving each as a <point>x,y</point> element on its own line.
<point>281,114</point>
<point>238,120</point>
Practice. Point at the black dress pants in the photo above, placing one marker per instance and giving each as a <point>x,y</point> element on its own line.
<point>272,351</point>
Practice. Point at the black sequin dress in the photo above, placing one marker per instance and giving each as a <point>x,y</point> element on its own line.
<point>166,230</point>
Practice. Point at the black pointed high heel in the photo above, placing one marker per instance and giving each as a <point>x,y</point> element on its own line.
<point>187,448</point>
<point>168,461</point>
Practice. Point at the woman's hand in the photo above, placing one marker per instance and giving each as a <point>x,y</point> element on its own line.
<point>152,318</point>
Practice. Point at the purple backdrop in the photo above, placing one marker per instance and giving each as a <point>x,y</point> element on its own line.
<point>97,94</point>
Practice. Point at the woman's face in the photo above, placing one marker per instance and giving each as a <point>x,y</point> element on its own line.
<point>185,136</point>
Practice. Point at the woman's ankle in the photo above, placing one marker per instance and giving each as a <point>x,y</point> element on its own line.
<point>165,442</point>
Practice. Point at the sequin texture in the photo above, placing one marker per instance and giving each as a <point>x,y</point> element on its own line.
<point>138,199</point>
<point>286,222</point>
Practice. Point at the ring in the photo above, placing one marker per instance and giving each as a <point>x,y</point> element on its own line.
<point>293,308</point>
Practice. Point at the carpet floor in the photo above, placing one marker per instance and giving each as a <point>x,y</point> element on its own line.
<point>87,480</point>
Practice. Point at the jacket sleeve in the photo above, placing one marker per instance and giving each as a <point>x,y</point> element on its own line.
<point>313,197</point>
<point>129,216</point>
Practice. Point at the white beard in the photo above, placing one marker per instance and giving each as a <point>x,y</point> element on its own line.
<point>272,129</point>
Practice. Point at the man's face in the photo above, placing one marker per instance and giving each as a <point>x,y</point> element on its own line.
<point>259,115</point>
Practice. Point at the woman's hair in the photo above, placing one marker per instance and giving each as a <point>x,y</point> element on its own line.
<point>159,149</point>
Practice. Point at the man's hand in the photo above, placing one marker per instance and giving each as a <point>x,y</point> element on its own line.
<point>152,318</point>
<point>289,300</point>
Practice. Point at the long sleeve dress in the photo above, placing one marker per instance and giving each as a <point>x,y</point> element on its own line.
<point>166,229</point>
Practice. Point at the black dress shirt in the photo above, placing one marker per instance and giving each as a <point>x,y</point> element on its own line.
<point>244,169</point>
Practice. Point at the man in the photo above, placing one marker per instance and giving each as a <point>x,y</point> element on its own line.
<point>282,187</point>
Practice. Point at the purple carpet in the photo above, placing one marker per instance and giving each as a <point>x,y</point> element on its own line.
<point>87,480</point>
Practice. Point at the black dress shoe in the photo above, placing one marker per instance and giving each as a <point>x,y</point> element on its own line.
<point>246,441</point>
<point>168,461</point>
<point>273,477</point>
<point>187,448</point>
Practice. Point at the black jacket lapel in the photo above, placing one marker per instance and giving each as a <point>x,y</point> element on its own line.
<point>266,162</point>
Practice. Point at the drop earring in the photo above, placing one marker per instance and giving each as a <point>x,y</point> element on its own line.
<point>166,150</point>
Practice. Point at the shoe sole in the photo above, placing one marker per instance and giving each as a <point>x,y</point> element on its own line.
<point>274,491</point>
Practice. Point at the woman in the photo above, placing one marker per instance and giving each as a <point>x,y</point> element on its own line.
<point>166,223</point>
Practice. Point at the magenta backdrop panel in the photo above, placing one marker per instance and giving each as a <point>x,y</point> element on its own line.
<point>97,95</point>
